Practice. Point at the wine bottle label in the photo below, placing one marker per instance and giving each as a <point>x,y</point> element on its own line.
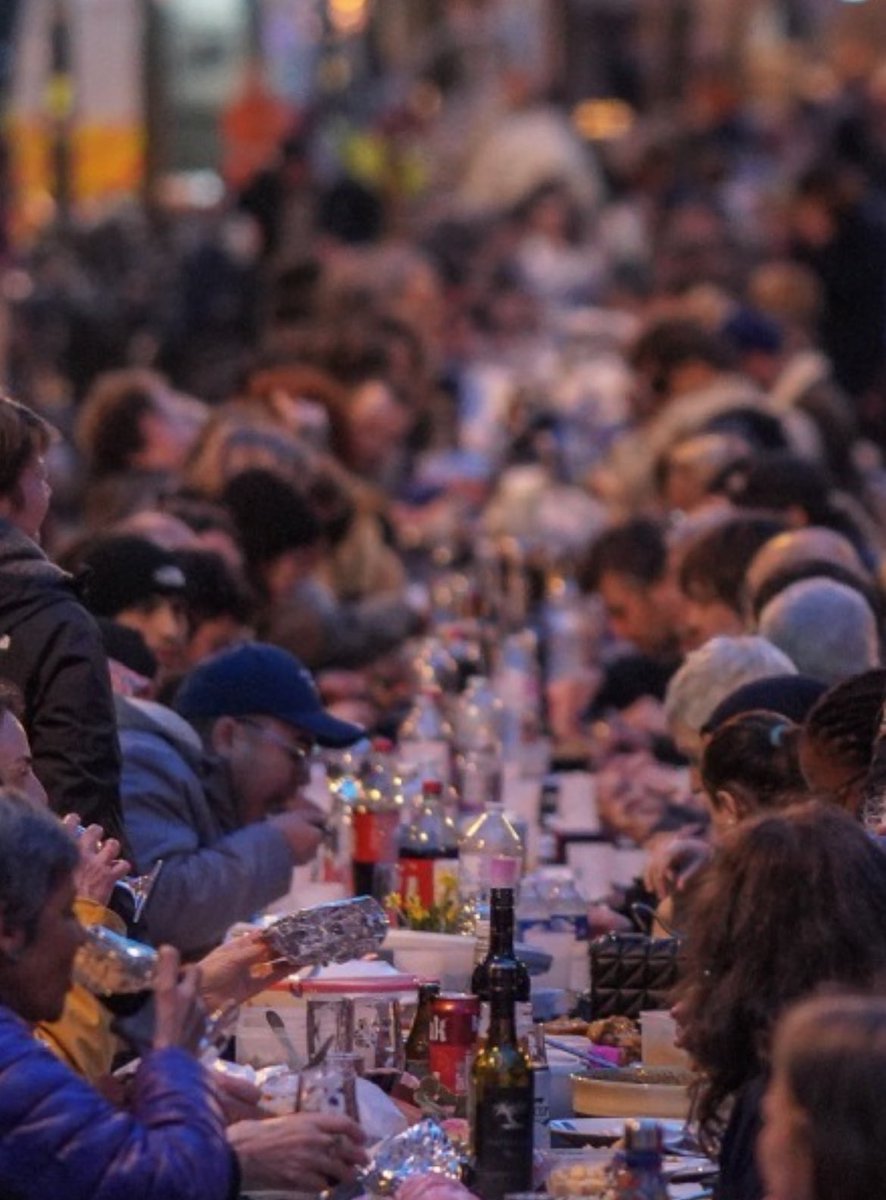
<point>503,1127</point>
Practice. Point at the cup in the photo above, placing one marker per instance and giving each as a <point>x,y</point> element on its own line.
<point>279,1092</point>
<point>331,1086</point>
<point>658,1035</point>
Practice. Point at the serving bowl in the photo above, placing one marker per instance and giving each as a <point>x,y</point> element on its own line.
<point>632,1092</point>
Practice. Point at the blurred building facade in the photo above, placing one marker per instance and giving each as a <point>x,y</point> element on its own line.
<point>106,94</point>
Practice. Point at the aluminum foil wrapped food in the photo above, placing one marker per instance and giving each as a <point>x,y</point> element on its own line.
<point>108,964</point>
<point>424,1149</point>
<point>329,933</point>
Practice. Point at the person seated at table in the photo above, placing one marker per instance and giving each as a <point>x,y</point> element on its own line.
<point>828,630</point>
<point>710,674</point>
<point>58,1135</point>
<point>839,734</point>
<point>824,1122</point>
<point>749,765</point>
<point>792,901</point>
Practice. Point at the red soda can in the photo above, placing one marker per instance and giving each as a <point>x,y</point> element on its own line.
<point>455,1020</point>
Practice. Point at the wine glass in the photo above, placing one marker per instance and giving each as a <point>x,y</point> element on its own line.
<point>108,964</point>
<point>137,887</point>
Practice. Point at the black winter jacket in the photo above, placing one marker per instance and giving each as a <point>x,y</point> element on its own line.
<point>51,648</point>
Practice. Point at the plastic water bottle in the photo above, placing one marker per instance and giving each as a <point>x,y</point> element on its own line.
<point>346,789</point>
<point>568,641</point>
<point>490,855</point>
<point>532,910</point>
<point>564,937</point>
<point>518,686</point>
<point>477,740</point>
<point>426,736</point>
<point>568,911</point>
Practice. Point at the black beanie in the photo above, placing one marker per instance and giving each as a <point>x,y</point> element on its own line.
<point>119,572</point>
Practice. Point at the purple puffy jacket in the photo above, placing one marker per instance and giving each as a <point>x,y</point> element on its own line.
<point>60,1138</point>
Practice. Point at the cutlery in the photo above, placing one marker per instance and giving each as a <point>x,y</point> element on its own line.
<point>320,1056</point>
<point>276,1026</point>
<point>588,1057</point>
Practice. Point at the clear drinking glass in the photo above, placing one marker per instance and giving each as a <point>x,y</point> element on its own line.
<point>331,1086</point>
<point>108,964</point>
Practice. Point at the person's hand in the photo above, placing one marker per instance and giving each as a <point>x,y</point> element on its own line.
<point>303,1150</point>
<point>99,868</point>
<point>602,919</point>
<point>238,970</point>
<point>303,827</point>
<point>180,1015</point>
<point>674,863</point>
<point>239,1099</point>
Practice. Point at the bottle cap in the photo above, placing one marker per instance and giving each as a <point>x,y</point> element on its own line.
<point>432,787</point>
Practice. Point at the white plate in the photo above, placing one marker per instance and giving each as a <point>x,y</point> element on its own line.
<point>606,1129</point>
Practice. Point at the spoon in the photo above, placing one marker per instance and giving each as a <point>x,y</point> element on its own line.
<point>276,1026</point>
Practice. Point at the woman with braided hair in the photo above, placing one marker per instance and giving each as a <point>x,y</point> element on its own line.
<point>838,738</point>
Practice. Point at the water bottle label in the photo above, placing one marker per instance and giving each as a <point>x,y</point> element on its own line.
<point>574,923</point>
<point>529,923</point>
<point>477,873</point>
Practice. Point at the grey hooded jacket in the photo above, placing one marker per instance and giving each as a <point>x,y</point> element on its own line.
<point>179,807</point>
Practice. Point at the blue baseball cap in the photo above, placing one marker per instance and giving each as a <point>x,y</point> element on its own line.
<point>255,679</point>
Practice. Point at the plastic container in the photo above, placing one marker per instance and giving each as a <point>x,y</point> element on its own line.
<point>448,957</point>
<point>658,1031</point>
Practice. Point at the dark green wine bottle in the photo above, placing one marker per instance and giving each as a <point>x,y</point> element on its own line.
<point>501,1098</point>
<point>501,948</point>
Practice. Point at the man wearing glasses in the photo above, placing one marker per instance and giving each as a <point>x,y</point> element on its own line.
<point>215,790</point>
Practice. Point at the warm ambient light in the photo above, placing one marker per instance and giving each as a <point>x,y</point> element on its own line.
<point>602,120</point>
<point>348,16</point>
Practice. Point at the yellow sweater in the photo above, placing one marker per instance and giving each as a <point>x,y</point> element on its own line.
<point>82,1037</point>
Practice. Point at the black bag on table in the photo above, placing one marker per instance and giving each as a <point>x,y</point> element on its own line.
<point>631,973</point>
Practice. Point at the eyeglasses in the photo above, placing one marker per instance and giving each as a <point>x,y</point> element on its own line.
<point>299,754</point>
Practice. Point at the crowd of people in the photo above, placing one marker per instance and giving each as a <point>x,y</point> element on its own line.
<point>639,410</point>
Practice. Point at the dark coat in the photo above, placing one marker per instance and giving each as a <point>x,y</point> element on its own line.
<point>60,1138</point>
<point>51,649</point>
<point>739,1175</point>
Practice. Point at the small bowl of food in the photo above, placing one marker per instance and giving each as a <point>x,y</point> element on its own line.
<point>577,1173</point>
